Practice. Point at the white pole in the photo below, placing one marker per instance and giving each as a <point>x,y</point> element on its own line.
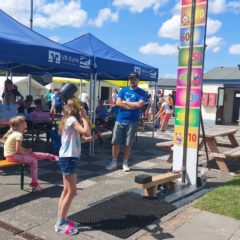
<point>80,86</point>
<point>154,108</point>
<point>31,26</point>
<point>94,105</point>
<point>90,107</point>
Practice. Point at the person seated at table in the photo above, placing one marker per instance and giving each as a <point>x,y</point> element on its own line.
<point>38,103</point>
<point>25,106</point>
<point>45,127</point>
<point>9,108</point>
<point>9,87</point>
<point>101,112</point>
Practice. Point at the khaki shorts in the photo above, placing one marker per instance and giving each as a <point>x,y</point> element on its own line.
<point>124,133</point>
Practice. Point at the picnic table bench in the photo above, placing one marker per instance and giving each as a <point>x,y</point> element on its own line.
<point>211,135</point>
<point>168,147</point>
<point>4,164</point>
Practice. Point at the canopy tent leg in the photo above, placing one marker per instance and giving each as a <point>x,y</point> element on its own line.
<point>80,87</point>
<point>94,106</point>
<point>31,26</point>
<point>90,108</point>
<point>99,87</point>
<point>29,84</point>
<point>154,109</point>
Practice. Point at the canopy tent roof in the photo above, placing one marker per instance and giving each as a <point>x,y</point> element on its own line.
<point>23,50</point>
<point>110,63</point>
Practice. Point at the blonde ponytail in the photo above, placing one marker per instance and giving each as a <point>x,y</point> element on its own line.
<point>14,126</point>
<point>6,135</point>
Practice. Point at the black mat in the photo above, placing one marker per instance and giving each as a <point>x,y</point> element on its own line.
<point>123,215</point>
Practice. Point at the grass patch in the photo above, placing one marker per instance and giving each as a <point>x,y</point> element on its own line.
<point>224,200</point>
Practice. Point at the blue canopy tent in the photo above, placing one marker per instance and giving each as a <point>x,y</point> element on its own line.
<point>25,51</point>
<point>110,64</point>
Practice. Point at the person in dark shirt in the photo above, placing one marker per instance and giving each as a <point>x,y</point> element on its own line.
<point>101,112</point>
<point>10,87</point>
<point>25,106</point>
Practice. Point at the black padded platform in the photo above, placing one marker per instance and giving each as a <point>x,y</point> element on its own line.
<point>123,215</point>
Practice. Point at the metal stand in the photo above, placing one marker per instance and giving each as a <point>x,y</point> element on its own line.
<point>22,176</point>
<point>188,90</point>
<point>154,109</point>
<point>204,140</point>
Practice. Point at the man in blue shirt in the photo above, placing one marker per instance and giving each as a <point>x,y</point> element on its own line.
<point>130,101</point>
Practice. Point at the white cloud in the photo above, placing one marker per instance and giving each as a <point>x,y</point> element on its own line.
<point>213,26</point>
<point>138,6</point>
<point>55,38</point>
<point>234,49</point>
<point>104,15</point>
<point>234,6</point>
<point>156,49</point>
<point>47,14</point>
<point>214,43</point>
<point>177,9</point>
<point>59,13</point>
<point>170,28</point>
<point>217,6</point>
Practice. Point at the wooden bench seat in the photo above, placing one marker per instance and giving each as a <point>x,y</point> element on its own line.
<point>150,188</point>
<point>5,164</point>
<point>167,146</point>
<point>212,154</point>
<point>233,153</point>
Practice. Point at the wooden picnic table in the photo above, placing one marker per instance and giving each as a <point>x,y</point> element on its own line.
<point>212,135</point>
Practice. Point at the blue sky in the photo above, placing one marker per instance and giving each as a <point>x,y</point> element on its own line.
<point>146,30</point>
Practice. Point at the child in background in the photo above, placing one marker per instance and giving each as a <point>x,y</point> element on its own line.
<point>14,152</point>
<point>74,123</point>
<point>159,114</point>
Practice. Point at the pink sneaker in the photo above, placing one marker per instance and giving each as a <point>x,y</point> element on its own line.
<point>35,187</point>
<point>54,158</point>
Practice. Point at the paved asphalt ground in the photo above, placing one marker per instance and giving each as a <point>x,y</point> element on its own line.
<point>35,213</point>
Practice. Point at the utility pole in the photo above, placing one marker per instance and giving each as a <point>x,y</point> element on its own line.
<point>31,26</point>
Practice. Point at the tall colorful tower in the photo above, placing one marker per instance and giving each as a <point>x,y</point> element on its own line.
<point>189,88</point>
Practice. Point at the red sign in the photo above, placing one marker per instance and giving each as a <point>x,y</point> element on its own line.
<point>205,99</point>
<point>212,97</point>
<point>186,2</point>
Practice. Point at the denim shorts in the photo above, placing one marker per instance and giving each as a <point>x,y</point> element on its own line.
<point>67,165</point>
<point>124,133</point>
